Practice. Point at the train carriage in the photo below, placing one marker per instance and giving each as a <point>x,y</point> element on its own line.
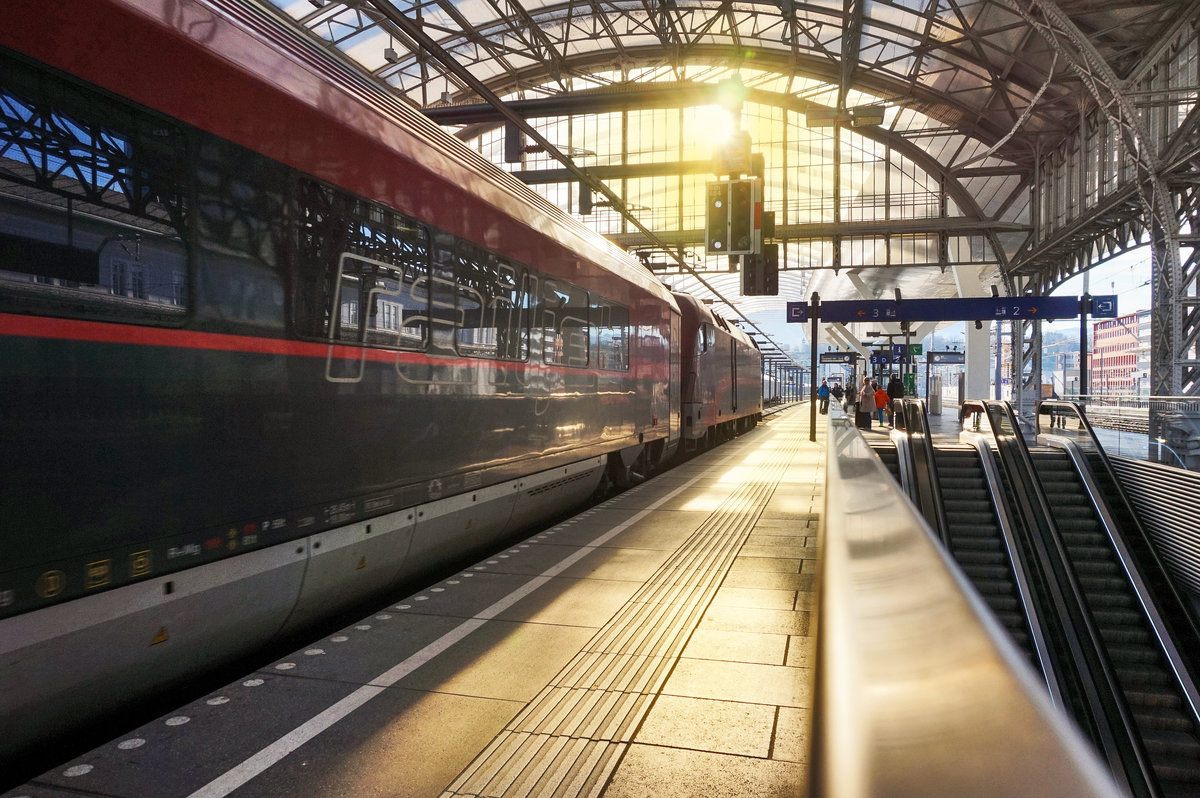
<point>270,341</point>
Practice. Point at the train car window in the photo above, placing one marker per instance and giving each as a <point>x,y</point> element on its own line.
<point>93,202</point>
<point>610,335</point>
<point>564,314</point>
<point>492,303</point>
<point>706,339</point>
<point>376,306</point>
<point>363,271</point>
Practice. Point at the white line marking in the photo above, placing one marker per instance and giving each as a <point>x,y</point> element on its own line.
<point>274,753</point>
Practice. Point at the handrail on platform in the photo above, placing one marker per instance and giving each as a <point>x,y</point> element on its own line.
<point>918,690</point>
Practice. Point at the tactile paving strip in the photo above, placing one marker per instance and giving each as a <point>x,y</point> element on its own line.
<point>569,739</point>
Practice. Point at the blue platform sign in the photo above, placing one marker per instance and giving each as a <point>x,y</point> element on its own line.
<point>899,350</point>
<point>1105,306</point>
<point>946,358</point>
<point>881,359</point>
<point>837,357</point>
<point>960,309</point>
<point>797,312</point>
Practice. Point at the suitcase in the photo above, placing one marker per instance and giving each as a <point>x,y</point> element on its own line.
<point>862,419</point>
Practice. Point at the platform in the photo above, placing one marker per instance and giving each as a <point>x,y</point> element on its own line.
<point>657,644</point>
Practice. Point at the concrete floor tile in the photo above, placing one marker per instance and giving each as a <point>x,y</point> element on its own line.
<point>757,598</point>
<point>438,734</point>
<point>653,771</point>
<point>635,565</point>
<point>723,727</point>
<point>737,647</point>
<point>502,660</point>
<point>751,619</point>
<point>769,580</point>
<point>793,550</point>
<point>181,752</point>
<point>779,535</point>
<point>460,596</point>
<point>572,602</point>
<point>743,682</point>
<point>800,652</point>
<point>769,564</point>
<point>793,728</point>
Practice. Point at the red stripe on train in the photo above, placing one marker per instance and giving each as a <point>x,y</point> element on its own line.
<point>128,334</point>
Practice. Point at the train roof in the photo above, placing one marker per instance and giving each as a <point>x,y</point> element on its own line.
<point>441,153</point>
<point>704,313</point>
<point>264,53</point>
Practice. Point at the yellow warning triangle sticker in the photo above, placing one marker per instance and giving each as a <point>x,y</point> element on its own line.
<point>161,637</point>
<point>362,563</point>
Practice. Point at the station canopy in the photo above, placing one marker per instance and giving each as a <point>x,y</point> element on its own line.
<point>899,140</point>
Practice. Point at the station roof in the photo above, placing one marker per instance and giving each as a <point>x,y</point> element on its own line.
<point>953,103</point>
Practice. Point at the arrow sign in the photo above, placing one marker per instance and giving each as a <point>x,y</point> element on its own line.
<point>797,312</point>
<point>1104,307</point>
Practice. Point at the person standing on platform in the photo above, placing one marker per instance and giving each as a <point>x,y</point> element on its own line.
<point>895,390</point>
<point>881,402</point>
<point>866,403</point>
<point>838,393</point>
<point>823,395</point>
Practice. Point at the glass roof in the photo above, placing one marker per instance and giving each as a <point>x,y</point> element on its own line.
<point>972,92</point>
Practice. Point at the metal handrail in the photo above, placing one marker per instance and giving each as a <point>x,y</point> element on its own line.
<point>1106,712</point>
<point>919,691</point>
<point>928,486</point>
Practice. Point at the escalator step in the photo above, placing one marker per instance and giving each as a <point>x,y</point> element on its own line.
<point>1172,743</point>
<point>1117,617</point>
<point>1170,721</point>
<point>1133,655</point>
<point>1090,553</point>
<point>1002,605</point>
<point>977,543</point>
<point>993,587</point>
<point>1152,700</point>
<point>980,558</point>
<point>1126,636</point>
<point>1110,600</point>
<point>972,523</point>
<point>1141,678</point>
<point>1096,569</point>
<point>980,573</point>
<point>1098,584</point>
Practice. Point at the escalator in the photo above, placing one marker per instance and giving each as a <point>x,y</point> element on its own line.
<point>976,541</point>
<point>1115,636</point>
<point>886,451</point>
<point>1158,703</point>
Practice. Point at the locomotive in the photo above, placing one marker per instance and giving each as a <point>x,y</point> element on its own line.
<point>272,342</point>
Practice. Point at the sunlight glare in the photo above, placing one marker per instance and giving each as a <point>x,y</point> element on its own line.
<point>714,126</point>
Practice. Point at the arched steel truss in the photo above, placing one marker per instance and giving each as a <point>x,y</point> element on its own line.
<point>1082,117</point>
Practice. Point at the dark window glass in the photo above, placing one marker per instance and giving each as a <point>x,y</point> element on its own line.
<point>376,306</point>
<point>610,335</point>
<point>363,271</point>
<point>492,306</point>
<point>564,312</point>
<point>93,201</point>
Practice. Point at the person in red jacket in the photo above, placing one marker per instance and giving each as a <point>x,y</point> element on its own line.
<point>881,401</point>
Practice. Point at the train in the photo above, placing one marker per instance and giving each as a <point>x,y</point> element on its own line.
<point>273,343</point>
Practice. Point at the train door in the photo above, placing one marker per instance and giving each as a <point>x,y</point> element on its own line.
<point>676,378</point>
<point>733,376</point>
